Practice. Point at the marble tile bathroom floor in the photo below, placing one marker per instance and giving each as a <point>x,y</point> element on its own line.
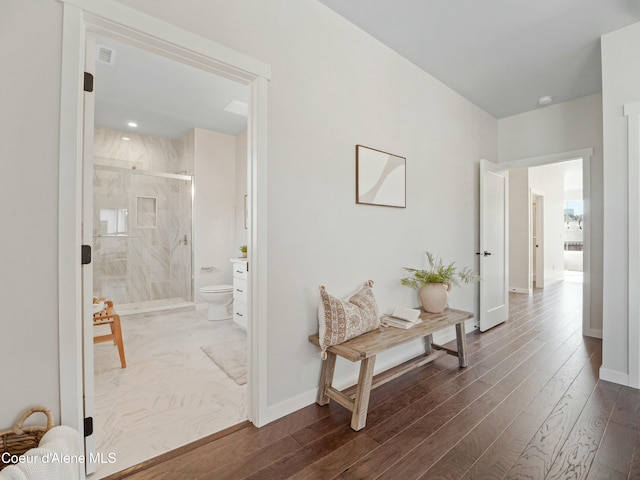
<point>170,394</point>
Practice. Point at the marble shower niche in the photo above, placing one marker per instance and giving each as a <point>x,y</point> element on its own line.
<point>142,221</point>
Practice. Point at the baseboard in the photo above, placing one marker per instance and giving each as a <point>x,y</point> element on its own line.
<point>284,408</point>
<point>614,376</point>
<point>592,332</point>
<point>383,362</point>
<point>528,291</point>
<point>551,282</point>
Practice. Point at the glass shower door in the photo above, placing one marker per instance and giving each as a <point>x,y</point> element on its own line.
<point>143,237</point>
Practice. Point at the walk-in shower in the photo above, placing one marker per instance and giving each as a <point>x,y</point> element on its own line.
<point>143,232</point>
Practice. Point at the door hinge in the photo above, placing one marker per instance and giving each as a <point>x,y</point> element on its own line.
<point>88,426</point>
<point>88,82</point>
<point>85,256</point>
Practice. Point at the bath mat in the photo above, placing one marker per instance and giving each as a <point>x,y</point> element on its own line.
<point>231,357</point>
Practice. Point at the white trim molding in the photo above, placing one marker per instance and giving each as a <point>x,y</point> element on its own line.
<point>594,333</point>
<point>527,291</point>
<point>632,112</point>
<point>115,20</point>
<point>548,283</point>
<point>136,27</point>
<point>614,376</point>
<point>631,109</point>
<point>70,221</point>
<point>257,244</point>
<point>582,153</point>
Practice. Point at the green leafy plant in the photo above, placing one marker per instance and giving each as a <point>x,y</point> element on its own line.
<point>243,248</point>
<point>438,272</point>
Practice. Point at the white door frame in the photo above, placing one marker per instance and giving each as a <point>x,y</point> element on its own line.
<point>632,112</point>
<point>124,23</point>
<point>585,155</point>
<point>87,270</point>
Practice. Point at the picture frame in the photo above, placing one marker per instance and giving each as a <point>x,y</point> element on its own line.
<point>381,178</point>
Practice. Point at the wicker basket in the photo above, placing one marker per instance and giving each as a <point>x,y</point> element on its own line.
<point>21,438</point>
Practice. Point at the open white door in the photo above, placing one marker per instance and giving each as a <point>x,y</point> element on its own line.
<point>494,265</point>
<point>537,247</point>
<point>87,269</point>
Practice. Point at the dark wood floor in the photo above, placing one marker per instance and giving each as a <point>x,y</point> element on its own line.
<point>529,406</point>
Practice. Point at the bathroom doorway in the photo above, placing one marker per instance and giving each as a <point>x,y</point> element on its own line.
<point>75,318</point>
<point>166,180</point>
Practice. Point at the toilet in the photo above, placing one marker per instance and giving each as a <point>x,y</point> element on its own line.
<point>220,299</point>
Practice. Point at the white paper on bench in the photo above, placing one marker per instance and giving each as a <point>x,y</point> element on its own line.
<point>408,314</point>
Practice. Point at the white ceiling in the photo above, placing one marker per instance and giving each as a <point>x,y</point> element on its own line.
<point>502,55</point>
<point>164,97</point>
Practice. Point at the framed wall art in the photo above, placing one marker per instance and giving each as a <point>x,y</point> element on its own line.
<point>381,178</point>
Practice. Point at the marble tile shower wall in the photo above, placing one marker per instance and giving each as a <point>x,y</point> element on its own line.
<point>140,221</point>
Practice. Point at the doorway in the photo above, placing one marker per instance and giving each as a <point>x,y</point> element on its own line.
<point>166,155</point>
<point>549,265</point>
<point>74,313</point>
<point>556,222</point>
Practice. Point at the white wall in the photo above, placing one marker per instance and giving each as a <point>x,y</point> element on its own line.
<point>214,207</point>
<point>564,127</point>
<point>332,87</point>
<point>620,86</point>
<point>548,180</point>
<point>30,35</point>
<point>519,230</point>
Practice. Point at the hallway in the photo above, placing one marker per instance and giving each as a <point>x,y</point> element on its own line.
<point>530,405</point>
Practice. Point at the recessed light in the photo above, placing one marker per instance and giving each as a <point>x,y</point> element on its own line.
<point>546,100</point>
<point>132,124</point>
<point>126,139</point>
<point>237,107</point>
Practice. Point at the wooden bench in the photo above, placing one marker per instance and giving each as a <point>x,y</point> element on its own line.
<point>365,347</point>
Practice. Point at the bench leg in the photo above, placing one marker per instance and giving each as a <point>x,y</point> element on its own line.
<point>326,378</point>
<point>363,391</point>
<point>428,340</point>
<point>462,344</point>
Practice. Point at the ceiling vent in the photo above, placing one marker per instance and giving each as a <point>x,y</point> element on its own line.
<point>106,55</point>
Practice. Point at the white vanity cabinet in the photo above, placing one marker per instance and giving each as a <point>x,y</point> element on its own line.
<point>240,274</point>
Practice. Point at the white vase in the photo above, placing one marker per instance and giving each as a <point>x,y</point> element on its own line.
<point>434,297</point>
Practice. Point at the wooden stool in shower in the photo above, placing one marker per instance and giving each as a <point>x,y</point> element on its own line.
<point>108,316</point>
